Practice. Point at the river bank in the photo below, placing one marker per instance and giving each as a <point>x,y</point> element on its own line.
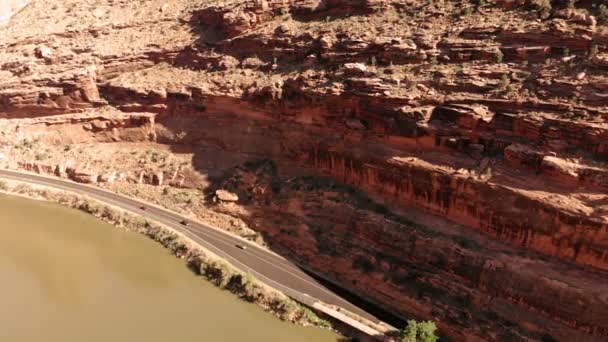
<point>74,277</point>
<point>201,261</point>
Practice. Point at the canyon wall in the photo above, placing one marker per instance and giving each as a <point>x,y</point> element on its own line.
<point>447,161</point>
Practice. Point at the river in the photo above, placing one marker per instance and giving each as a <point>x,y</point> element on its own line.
<point>66,276</point>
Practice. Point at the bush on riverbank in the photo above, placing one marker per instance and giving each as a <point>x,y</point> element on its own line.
<point>201,261</point>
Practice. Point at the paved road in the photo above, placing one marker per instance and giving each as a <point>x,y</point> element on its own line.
<point>266,266</point>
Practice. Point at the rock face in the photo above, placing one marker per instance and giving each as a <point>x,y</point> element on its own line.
<point>416,267</point>
<point>490,119</point>
<point>226,196</point>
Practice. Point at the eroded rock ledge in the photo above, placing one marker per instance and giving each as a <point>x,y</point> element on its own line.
<point>485,116</point>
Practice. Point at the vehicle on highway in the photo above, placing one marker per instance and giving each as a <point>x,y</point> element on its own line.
<point>143,207</point>
<point>184,222</point>
<point>238,245</point>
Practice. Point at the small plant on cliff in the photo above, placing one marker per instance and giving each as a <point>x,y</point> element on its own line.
<point>571,3</point>
<point>603,14</point>
<point>419,332</point>
<point>42,156</point>
<point>593,51</point>
<point>503,84</point>
<point>499,56</point>
<point>543,7</point>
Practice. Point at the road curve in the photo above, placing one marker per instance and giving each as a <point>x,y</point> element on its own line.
<point>269,267</point>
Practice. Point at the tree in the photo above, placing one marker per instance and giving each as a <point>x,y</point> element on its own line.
<point>418,332</point>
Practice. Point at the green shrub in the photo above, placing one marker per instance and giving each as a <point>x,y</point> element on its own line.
<point>541,4</point>
<point>571,3</point>
<point>419,332</point>
<point>499,56</point>
<point>503,84</point>
<point>543,7</point>
<point>603,14</point>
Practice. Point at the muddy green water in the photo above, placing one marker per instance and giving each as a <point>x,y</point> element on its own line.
<point>66,276</point>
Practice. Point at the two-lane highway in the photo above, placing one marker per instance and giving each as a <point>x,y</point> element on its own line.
<point>265,265</point>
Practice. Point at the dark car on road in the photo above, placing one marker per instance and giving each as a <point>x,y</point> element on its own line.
<point>184,222</point>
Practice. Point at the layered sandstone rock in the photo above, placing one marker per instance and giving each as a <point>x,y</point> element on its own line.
<point>485,116</point>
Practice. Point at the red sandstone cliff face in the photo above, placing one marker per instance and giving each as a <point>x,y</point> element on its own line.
<point>445,272</point>
<point>482,115</point>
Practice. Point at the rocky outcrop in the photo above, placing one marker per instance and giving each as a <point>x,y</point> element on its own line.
<point>414,267</point>
<point>226,196</point>
<point>477,115</point>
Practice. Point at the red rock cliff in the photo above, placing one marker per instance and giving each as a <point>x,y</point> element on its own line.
<point>490,119</point>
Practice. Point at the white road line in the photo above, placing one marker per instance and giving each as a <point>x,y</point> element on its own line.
<point>224,254</point>
<point>231,244</point>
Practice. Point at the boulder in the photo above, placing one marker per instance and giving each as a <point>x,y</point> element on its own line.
<point>356,70</point>
<point>227,62</point>
<point>226,196</point>
<point>84,177</point>
<point>252,63</point>
<point>43,52</point>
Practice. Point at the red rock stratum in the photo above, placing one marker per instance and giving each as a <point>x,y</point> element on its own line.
<point>445,159</point>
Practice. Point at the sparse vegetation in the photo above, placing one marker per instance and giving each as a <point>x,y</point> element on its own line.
<point>154,156</point>
<point>42,156</point>
<point>503,84</point>
<point>499,56</point>
<point>396,107</point>
<point>541,5</point>
<point>571,3</point>
<point>419,332</point>
<point>603,14</point>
